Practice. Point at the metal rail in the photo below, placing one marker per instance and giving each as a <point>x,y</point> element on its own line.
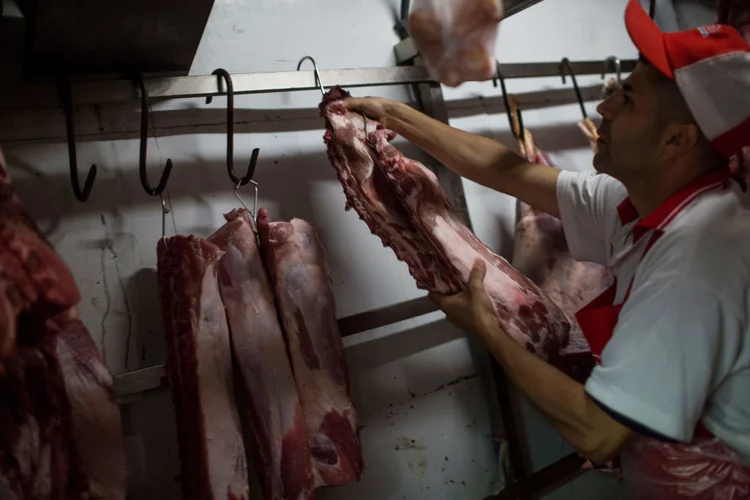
<point>122,91</point>
<point>545,480</point>
<point>130,384</point>
<point>180,87</point>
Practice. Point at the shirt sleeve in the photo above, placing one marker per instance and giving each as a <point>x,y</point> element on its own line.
<point>663,360</point>
<point>588,211</point>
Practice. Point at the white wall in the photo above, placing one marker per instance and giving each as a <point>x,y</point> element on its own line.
<point>423,436</point>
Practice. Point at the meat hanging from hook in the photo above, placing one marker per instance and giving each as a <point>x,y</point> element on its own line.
<point>240,181</point>
<point>565,65</point>
<point>66,95</point>
<point>145,115</point>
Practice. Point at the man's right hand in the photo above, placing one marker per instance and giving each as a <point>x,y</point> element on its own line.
<point>375,108</point>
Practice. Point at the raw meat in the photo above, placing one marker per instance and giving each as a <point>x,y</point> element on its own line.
<point>46,449</point>
<point>456,38</point>
<point>402,203</point>
<point>38,458</point>
<point>541,253</point>
<point>296,261</point>
<point>270,402</point>
<point>97,430</point>
<point>199,369</point>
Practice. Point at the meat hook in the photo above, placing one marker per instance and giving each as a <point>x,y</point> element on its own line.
<point>66,95</point>
<point>501,78</point>
<point>224,74</point>
<point>166,208</point>
<point>317,72</point>
<point>255,199</point>
<point>565,64</point>
<point>615,63</point>
<point>145,115</point>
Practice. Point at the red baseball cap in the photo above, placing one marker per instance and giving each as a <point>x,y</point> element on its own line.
<point>711,67</point>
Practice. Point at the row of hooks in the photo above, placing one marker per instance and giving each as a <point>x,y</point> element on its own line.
<point>224,77</point>
<point>66,96</point>
<point>565,67</point>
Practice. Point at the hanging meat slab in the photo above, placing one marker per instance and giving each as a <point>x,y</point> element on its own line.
<point>269,403</point>
<point>456,38</point>
<point>46,450</point>
<point>97,429</point>
<point>296,261</point>
<point>199,369</point>
<point>402,203</point>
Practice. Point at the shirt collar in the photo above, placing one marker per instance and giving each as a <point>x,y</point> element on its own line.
<point>664,214</point>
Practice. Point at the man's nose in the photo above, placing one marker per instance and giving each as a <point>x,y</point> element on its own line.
<point>608,107</point>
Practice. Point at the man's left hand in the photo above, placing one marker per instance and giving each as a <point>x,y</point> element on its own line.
<point>470,310</point>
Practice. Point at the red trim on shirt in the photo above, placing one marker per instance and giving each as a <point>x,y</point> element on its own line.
<point>668,210</point>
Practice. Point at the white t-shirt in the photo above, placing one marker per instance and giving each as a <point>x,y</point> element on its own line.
<point>680,353</point>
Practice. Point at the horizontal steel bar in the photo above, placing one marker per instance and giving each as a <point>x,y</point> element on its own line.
<point>133,383</point>
<point>405,51</point>
<point>118,91</point>
<point>544,480</point>
<point>48,125</point>
<point>369,320</point>
<point>114,91</point>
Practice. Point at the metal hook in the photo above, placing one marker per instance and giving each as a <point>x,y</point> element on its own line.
<point>224,74</point>
<point>565,63</point>
<point>318,81</point>
<point>166,208</point>
<point>66,95</point>
<point>617,66</point>
<point>507,104</point>
<point>164,212</point>
<point>652,9</point>
<point>255,198</point>
<point>145,115</point>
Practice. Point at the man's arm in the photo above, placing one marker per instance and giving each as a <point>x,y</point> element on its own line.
<point>561,399</point>
<point>564,402</point>
<point>477,158</point>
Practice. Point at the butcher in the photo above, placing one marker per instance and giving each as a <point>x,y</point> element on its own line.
<point>670,394</point>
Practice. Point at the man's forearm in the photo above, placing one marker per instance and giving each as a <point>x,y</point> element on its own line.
<point>563,400</point>
<point>477,158</point>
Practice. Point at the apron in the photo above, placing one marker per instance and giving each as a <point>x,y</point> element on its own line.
<point>705,468</point>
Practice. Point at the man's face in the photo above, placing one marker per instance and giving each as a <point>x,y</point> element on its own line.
<point>628,143</point>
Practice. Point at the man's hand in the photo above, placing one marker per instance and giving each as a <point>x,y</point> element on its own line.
<point>374,107</point>
<point>470,310</point>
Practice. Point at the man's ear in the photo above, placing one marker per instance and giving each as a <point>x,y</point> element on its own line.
<point>679,139</point>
